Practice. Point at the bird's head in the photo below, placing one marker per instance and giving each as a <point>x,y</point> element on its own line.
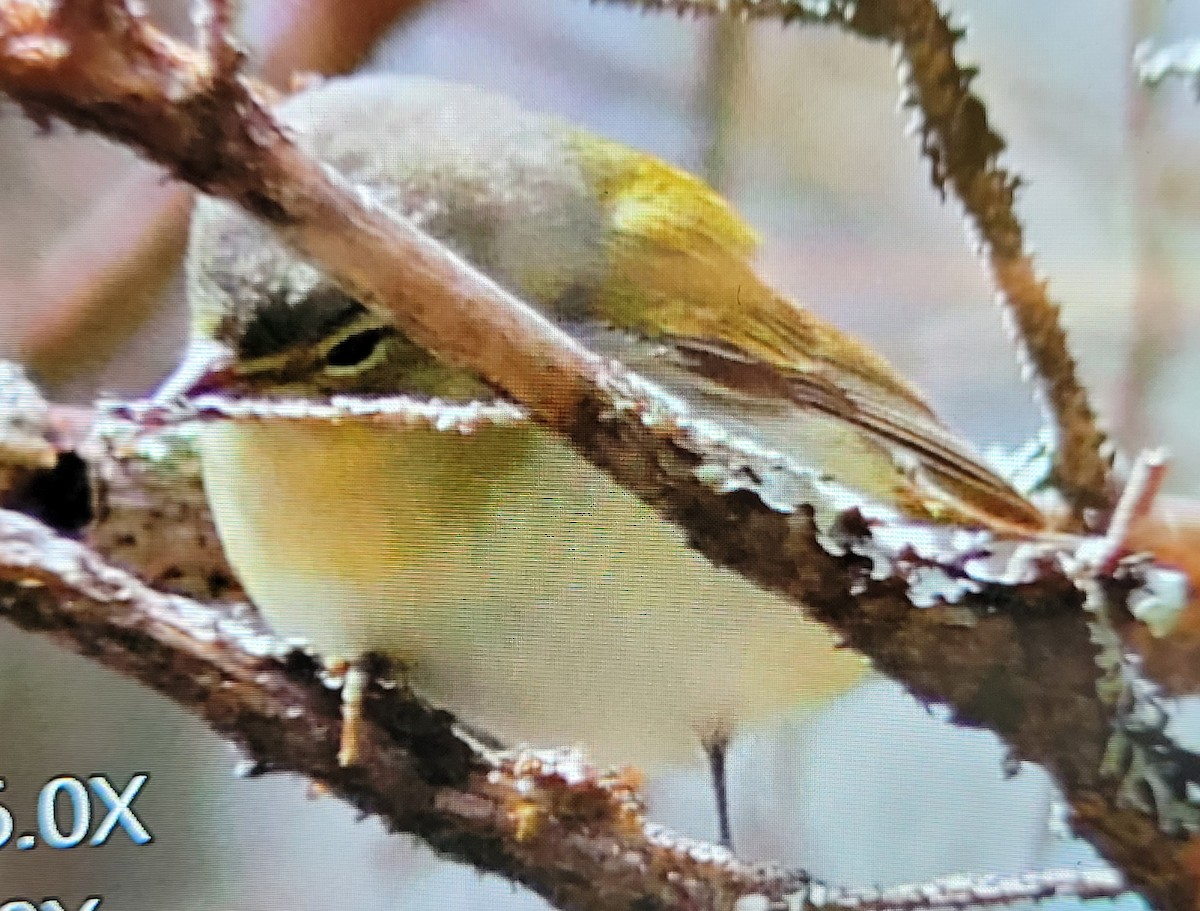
<point>267,323</point>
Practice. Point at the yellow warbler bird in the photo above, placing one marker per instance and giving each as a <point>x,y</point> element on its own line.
<point>519,586</point>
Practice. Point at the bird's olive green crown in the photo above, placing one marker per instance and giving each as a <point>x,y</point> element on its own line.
<point>510,197</point>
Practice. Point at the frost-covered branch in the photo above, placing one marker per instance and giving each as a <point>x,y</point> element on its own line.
<point>544,820</point>
<point>574,836</point>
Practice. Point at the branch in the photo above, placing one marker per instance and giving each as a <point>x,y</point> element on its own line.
<point>963,150</point>
<point>545,820</point>
<point>956,892</point>
<point>1028,671</point>
<point>576,838</point>
<point>101,281</point>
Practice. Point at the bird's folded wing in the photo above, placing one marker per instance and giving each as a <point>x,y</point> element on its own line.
<point>800,410</point>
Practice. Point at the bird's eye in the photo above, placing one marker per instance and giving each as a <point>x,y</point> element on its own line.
<point>356,349</point>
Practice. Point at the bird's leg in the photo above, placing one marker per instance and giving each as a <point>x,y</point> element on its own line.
<point>355,678</point>
<point>716,747</point>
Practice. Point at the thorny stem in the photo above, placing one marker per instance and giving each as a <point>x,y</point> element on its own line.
<point>963,151</point>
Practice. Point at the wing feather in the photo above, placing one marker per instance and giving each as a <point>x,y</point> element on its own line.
<point>761,399</point>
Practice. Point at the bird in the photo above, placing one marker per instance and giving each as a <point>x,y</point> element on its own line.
<point>513,582</point>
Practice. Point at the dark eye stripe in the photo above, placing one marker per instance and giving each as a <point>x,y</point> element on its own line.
<point>279,324</point>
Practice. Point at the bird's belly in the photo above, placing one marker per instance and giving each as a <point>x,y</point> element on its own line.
<point>523,589</point>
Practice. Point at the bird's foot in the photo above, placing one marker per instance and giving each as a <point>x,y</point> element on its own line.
<point>355,679</point>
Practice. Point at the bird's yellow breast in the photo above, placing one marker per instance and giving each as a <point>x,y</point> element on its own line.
<point>523,589</point>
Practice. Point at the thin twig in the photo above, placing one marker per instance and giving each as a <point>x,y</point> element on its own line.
<point>215,23</point>
<point>723,72</point>
<point>1141,490</point>
<point>953,892</point>
<point>963,151</point>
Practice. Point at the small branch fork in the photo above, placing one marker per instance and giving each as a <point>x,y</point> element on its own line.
<point>999,620</point>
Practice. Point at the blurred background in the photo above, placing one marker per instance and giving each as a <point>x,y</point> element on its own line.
<point>800,126</point>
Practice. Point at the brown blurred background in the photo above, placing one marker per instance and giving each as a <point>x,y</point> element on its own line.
<point>809,143</point>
